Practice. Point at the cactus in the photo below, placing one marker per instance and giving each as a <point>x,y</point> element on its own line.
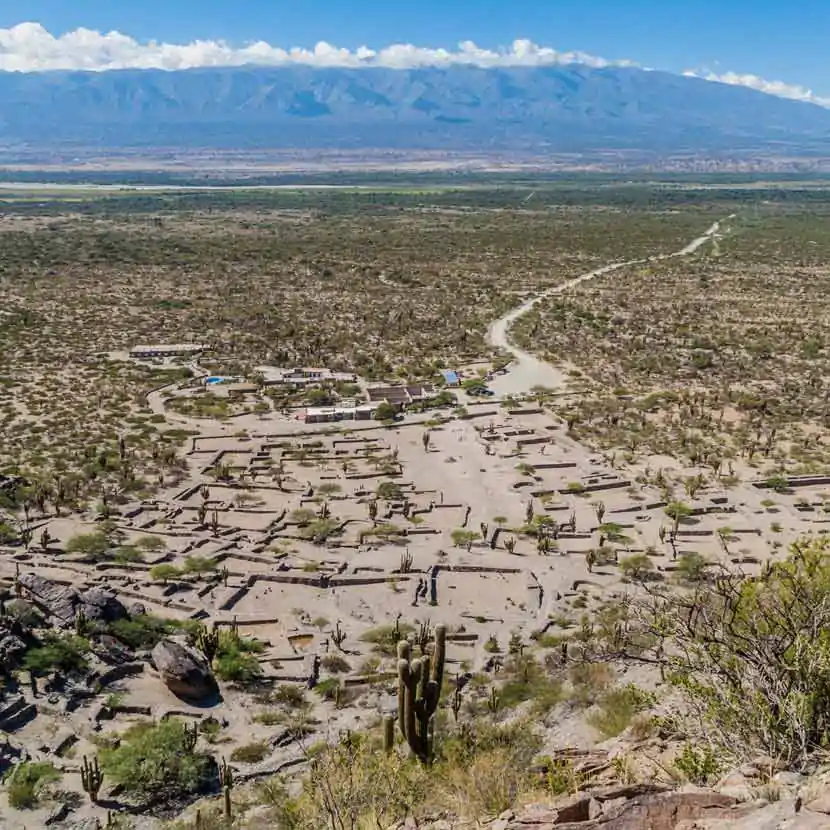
<point>226,782</point>
<point>423,636</point>
<point>433,584</point>
<point>388,733</point>
<point>81,623</point>
<point>456,699</point>
<point>91,778</point>
<point>406,562</point>
<point>419,689</point>
<point>494,701</point>
<point>338,636</point>
<point>190,738</point>
<point>207,642</point>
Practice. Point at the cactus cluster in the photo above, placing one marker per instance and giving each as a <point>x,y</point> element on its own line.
<point>91,778</point>
<point>191,736</point>
<point>227,783</point>
<point>207,642</point>
<point>419,689</point>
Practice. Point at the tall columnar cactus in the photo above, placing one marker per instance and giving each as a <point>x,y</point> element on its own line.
<point>91,778</point>
<point>226,782</point>
<point>388,733</point>
<point>190,737</point>
<point>419,689</point>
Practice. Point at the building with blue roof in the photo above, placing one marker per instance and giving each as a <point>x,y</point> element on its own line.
<point>450,377</point>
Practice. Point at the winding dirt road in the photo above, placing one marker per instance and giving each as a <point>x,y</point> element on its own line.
<point>527,370</point>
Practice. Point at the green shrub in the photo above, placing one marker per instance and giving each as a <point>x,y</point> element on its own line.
<point>57,652</point>
<point>385,638</point>
<point>92,545</point>
<point>25,783</point>
<point>153,760</point>
<point>528,682</point>
<point>236,660</point>
<point>691,567</point>
<point>145,630</point>
<point>198,564</point>
<point>335,664</point>
<point>250,754</point>
<point>152,544</point>
<point>637,567</point>
<point>291,696</point>
<point>327,689</point>
<point>778,483</point>
<point>163,572</point>
<point>617,709</point>
<point>700,765</point>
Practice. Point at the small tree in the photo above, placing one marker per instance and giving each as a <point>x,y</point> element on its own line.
<point>386,412</point>
<point>92,545</point>
<point>637,567</point>
<point>464,538</point>
<point>164,572</point>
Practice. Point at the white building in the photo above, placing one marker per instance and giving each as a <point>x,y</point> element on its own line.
<point>328,414</point>
<point>302,376</point>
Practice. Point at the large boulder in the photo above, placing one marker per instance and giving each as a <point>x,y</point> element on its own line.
<point>184,670</point>
<point>101,605</point>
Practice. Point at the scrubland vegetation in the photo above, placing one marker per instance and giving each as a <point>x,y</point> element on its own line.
<point>437,616</point>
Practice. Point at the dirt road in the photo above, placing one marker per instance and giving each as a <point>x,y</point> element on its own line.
<point>528,371</point>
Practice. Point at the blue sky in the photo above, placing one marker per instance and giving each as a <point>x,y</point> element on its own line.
<point>787,43</point>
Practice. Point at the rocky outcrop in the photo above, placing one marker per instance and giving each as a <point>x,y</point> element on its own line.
<point>101,605</point>
<point>54,599</point>
<point>184,671</point>
<point>62,603</point>
<point>653,807</point>
<point>12,649</point>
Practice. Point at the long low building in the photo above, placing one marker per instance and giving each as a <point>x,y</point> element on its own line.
<point>302,376</point>
<point>168,350</point>
<point>328,414</point>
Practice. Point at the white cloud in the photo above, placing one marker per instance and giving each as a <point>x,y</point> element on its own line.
<point>29,47</point>
<point>778,88</point>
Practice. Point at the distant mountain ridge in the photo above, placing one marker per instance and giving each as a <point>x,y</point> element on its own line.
<point>565,109</point>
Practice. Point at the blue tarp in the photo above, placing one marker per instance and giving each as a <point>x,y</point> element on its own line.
<point>450,377</point>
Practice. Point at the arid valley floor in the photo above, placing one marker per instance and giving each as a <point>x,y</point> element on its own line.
<point>145,504</point>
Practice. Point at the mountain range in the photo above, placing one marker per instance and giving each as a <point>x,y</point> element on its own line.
<point>538,109</point>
